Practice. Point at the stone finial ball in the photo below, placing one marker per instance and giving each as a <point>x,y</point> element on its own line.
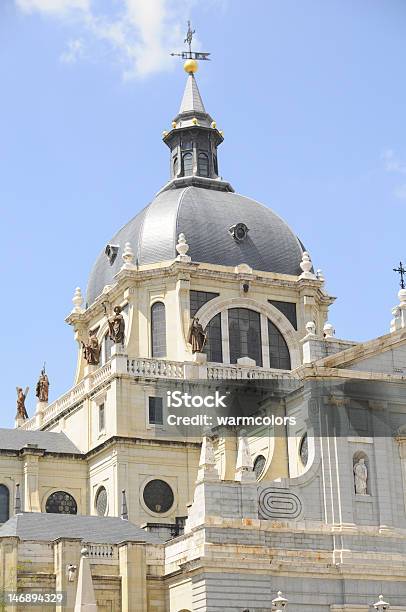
<point>190,66</point>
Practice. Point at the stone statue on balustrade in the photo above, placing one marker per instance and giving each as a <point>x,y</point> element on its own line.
<point>91,349</point>
<point>360,477</point>
<point>117,326</point>
<point>21,410</point>
<point>42,390</point>
<point>197,336</point>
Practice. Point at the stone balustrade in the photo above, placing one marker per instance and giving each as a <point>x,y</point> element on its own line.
<point>155,368</point>
<point>120,364</point>
<point>99,553</point>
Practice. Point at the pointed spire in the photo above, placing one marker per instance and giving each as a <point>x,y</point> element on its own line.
<point>85,597</point>
<point>124,509</point>
<point>192,100</point>
<point>17,501</point>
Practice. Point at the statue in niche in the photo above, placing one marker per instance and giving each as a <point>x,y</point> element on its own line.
<point>91,350</point>
<point>117,326</point>
<point>71,570</point>
<point>360,477</point>
<point>197,336</point>
<point>21,410</point>
<point>42,390</point>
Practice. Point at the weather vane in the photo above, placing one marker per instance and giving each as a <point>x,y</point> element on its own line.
<point>402,271</point>
<point>193,55</point>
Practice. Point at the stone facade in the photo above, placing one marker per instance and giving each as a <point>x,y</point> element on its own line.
<point>219,533</point>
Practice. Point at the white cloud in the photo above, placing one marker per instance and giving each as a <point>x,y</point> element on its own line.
<point>55,7</point>
<point>392,162</point>
<point>139,33</point>
<point>74,51</point>
<point>400,192</point>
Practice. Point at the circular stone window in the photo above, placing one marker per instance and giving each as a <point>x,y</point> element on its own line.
<point>259,465</point>
<point>158,496</point>
<point>101,502</point>
<point>304,450</point>
<point>61,502</point>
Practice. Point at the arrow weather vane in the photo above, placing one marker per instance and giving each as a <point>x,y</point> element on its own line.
<point>402,271</point>
<point>196,55</point>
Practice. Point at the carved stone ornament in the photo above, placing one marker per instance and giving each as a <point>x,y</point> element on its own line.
<point>91,349</point>
<point>197,336</point>
<point>117,326</point>
<point>42,389</point>
<point>21,410</point>
<point>360,477</point>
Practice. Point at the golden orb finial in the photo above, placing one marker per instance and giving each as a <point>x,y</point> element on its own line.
<point>190,66</point>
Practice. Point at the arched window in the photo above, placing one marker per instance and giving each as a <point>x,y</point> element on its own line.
<point>101,501</point>
<point>175,166</point>
<point>158,330</point>
<point>4,504</point>
<point>61,502</point>
<point>279,356</point>
<point>214,347</point>
<point>187,164</point>
<point>203,164</point>
<point>107,343</point>
<point>244,328</point>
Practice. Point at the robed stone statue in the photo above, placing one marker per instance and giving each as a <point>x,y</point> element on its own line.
<point>42,390</point>
<point>21,410</point>
<point>91,349</point>
<point>117,326</point>
<point>360,477</point>
<point>197,336</point>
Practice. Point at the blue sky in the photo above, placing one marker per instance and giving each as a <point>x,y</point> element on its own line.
<point>311,97</point>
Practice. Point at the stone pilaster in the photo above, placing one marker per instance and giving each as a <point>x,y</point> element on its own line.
<point>132,561</point>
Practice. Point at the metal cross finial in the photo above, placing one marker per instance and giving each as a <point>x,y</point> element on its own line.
<point>189,36</point>
<point>196,55</point>
<point>402,271</point>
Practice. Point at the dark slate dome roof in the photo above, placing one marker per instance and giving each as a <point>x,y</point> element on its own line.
<point>204,216</point>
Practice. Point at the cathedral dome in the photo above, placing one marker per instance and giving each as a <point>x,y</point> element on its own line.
<point>220,226</point>
<point>208,218</point>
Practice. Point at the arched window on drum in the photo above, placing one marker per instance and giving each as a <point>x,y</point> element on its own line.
<point>244,329</point>
<point>158,330</point>
<point>279,356</point>
<point>214,345</point>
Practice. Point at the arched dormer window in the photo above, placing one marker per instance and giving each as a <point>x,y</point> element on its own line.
<point>203,164</point>
<point>4,504</point>
<point>158,330</point>
<point>187,164</point>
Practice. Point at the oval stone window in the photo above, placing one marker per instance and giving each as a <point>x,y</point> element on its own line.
<point>61,502</point>
<point>158,496</point>
<point>259,465</point>
<point>304,450</point>
<point>101,502</point>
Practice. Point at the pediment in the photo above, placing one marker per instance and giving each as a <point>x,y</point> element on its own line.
<point>385,354</point>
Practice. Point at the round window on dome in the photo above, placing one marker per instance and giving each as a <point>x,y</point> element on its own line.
<point>101,502</point>
<point>158,496</point>
<point>239,231</point>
